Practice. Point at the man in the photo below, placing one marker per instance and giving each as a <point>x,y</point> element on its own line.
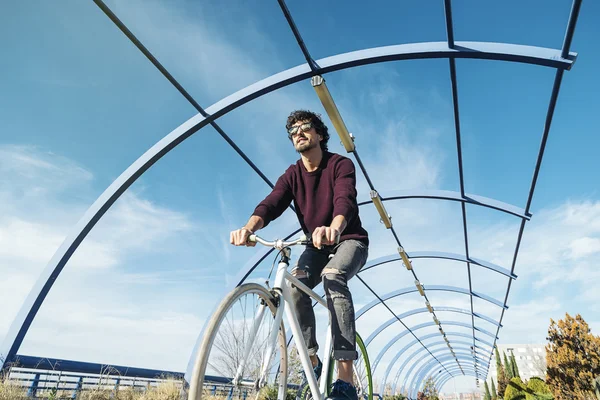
<point>323,188</point>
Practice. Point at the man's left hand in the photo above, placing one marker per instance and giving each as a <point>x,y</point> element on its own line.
<point>325,235</point>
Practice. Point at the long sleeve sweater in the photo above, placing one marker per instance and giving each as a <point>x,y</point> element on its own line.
<point>318,196</point>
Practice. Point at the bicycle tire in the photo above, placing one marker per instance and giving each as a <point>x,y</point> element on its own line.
<point>200,364</point>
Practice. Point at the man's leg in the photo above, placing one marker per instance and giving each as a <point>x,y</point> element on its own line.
<point>311,261</point>
<point>349,258</point>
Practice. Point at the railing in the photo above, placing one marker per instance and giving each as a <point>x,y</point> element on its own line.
<point>55,378</point>
<point>44,377</point>
<point>43,383</point>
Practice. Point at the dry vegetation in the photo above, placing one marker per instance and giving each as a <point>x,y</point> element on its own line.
<point>168,390</point>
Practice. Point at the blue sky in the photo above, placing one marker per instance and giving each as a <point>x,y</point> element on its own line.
<point>80,103</point>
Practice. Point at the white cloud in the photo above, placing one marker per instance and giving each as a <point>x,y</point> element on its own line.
<point>584,246</point>
<point>28,240</point>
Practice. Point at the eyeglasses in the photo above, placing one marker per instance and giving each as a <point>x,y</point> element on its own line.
<point>293,131</point>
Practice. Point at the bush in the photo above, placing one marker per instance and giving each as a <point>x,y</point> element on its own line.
<point>538,390</point>
<point>515,390</point>
<point>395,397</point>
<point>270,393</point>
<point>10,391</point>
<point>168,390</point>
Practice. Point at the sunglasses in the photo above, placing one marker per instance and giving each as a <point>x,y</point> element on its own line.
<point>294,130</point>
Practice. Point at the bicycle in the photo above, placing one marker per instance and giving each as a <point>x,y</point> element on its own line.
<point>252,366</point>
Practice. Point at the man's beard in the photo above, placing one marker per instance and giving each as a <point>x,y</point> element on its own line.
<point>306,146</point>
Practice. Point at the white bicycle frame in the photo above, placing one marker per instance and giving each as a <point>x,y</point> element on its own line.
<point>282,284</point>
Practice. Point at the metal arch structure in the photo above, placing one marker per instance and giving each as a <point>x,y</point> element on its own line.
<point>440,382</point>
<point>559,59</point>
<point>403,350</point>
<point>415,311</point>
<point>442,377</point>
<point>442,288</point>
<point>422,372</point>
<point>408,346</point>
<point>468,359</point>
<point>467,354</point>
<point>439,255</point>
<point>413,386</point>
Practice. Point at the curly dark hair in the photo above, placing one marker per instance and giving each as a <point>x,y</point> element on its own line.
<point>315,119</point>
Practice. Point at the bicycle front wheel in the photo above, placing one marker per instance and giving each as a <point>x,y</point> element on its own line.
<point>236,357</point>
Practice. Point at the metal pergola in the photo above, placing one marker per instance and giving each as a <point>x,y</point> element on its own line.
<point>445,358</point>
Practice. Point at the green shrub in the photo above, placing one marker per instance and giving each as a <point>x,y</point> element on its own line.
<point>270,393</point>
<point>395,397</point>
<point>538,390</point>
<point>515,390</point>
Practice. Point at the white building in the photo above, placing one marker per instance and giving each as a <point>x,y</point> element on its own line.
<point>531,360</point>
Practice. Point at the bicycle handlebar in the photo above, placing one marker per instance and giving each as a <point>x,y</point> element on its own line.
<point>279,244</point>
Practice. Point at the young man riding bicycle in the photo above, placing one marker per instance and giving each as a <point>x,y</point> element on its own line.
<point>322,186</point>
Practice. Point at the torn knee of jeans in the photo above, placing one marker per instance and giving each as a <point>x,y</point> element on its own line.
<point>299,273</point>
<point>330,273</point>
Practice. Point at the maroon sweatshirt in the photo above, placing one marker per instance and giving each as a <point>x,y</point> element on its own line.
<point>318,196</point>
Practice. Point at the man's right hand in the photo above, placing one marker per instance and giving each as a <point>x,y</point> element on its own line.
<point>239,237</point>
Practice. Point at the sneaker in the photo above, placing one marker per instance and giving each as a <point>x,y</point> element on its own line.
<point>303,392</point>
<point>342,390</point>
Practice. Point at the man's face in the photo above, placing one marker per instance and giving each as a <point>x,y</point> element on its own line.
<point>304,137</point>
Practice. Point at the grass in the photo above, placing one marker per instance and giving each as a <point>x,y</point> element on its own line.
<point>167,390</point>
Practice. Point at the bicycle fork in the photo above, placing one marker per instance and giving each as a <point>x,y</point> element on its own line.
<point>272,341</point>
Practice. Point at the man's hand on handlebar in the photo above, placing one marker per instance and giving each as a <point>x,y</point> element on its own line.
<point>240,236</point>
<point>325,236</point>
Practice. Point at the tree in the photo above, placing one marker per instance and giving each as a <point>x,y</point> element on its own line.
<point>487,395</point>
<point>513,365</point>
<point>596,385</point>
<point>295,370</point>
<point>573,358</point>
<point>494,391</point>
<point>500,374</point>
<point>537,389</point>
<point>507,368</point>
<point>429,389</point>
<point>515,390</point>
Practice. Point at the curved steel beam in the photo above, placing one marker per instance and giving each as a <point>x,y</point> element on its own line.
<point>411,289</point>
<point>416,353</point>
<point>441,382</point>
<point>452,371</point>
<point>440,255</point>
<point>452,196</point>
<point>459,355</point>
<point>404,333</point>
<point>425,368</point>
<point>399,353</point>
<point>422,339</point>
<point>471,50</point>
<point>448,373</point>
<point>431,344</point>
<point>463,358</point>
<point>393,320</point>
<point>446,377</point>
<point>466,351</point>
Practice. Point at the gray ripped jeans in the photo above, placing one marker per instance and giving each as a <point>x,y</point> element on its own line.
<point>315,265</point>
